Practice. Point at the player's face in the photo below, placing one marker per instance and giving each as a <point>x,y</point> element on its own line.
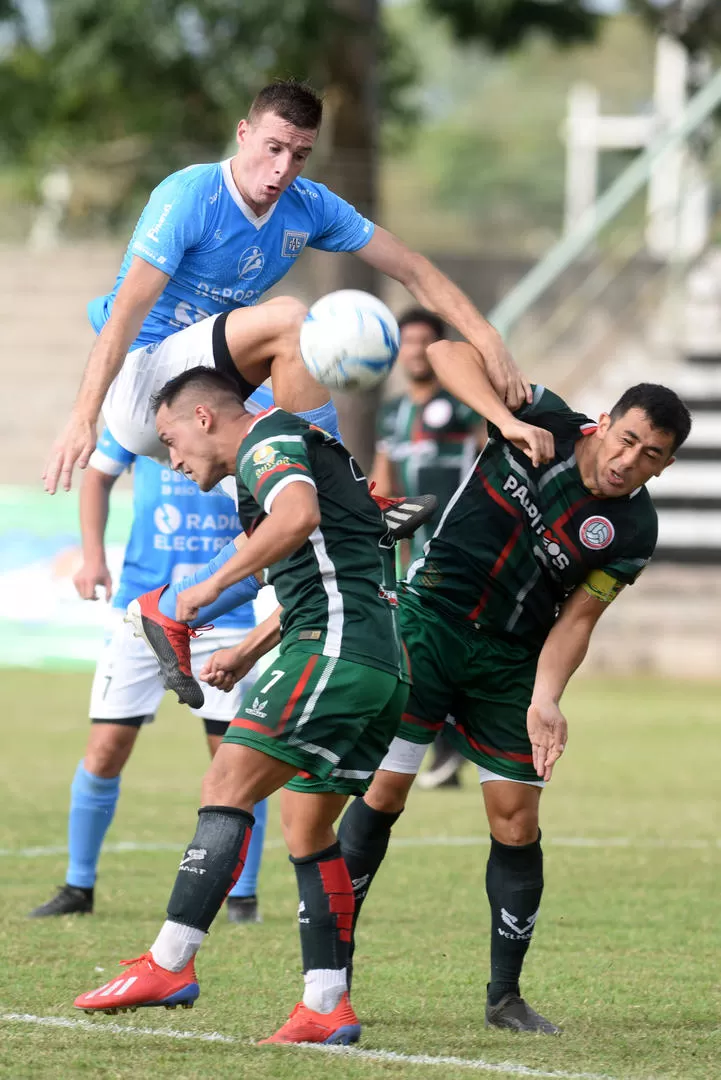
<point>191,445</point>
<point>271,155</point>
<point>629,451</point>
<point>415,339</point>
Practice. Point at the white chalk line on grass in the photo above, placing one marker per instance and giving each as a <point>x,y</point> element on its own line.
<point>390,1056</point>
<point>600,842</point>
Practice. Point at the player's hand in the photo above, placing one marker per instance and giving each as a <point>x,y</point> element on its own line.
<point>189,602</point>
<point>535,442</point>
<point>91,577</point>
<point>226,667</point>
<point>72,448</point>
<point>511,385</point>
<point>548,732</point>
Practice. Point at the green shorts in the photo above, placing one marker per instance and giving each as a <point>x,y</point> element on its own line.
<point>332,719</point>
<point>474,686</point>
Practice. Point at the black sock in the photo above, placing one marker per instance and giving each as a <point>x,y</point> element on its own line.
<point>325,912</point>
<point>363,835</point>
<point>514,884</point>
<point>212,864</point>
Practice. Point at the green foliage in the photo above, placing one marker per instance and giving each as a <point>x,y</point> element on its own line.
<point>506,24</point>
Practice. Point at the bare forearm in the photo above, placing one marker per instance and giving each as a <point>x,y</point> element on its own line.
<point>94,509</point>
<point>104,362</point>
<point>438,293</point>
<point>562,653</point>
<point>141,287</point>
<point>460,370</point>
<point>263,637</point>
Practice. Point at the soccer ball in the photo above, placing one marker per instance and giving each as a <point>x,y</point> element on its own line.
<point>349,340</point>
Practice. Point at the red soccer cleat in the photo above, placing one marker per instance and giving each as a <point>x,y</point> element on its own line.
<point>305,1026</point>
<point>169,641</point>
<point>405,515</point>
<point>142,985</point>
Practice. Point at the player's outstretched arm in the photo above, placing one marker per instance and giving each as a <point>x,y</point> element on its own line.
<point>462,372</point>
<point>563,651</point>
<point>94,507</point>
<point>141,287</point>
<point>437,293</point>
<point>226,667</point>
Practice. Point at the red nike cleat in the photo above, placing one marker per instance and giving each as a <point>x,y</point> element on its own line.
<point>305,1026</point>
<point>405,515</point>
<point>142,985</point>
<point>169,641</point>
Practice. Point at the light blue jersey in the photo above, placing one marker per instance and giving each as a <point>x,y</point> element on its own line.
<point>219,254</point>
<point>176,528</point>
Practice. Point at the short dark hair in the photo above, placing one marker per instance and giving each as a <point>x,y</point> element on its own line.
<point>662,406</point>
<point>202,379</point>
<point>428,318</point>
<point>295,102</point>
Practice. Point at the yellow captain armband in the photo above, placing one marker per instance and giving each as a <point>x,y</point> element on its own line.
<point>602,586</point>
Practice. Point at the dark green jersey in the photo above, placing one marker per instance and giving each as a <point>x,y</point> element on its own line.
<point>516,540</point>
<point>338,590</point>
<point>431,448</point>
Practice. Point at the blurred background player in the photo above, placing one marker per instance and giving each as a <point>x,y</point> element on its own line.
<point>176,528</point>
<point>427,441</point>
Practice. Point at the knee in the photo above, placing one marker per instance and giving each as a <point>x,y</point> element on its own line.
<point>222,786</point>
<point>290,313</point>
<point>515,827</point>
<point>106,756</point>
<point>389,791</point>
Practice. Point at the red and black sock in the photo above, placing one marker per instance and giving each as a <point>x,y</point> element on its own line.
<point>325,911</point>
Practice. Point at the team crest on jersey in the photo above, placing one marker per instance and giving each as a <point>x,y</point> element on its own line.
<point>250,263</point>
<point>264,455</point>
<point>596,532</point>
<point>293,243</point>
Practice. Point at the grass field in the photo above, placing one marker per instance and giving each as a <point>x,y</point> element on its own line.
<point>625,954</point>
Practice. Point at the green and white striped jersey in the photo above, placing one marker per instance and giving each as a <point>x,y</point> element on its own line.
<point>338,590</point>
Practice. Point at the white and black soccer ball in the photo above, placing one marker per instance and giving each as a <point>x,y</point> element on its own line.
<point>349,340</point>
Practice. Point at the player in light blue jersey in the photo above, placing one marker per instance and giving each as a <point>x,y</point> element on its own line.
<point>210,242</point>
<point>176,529</point>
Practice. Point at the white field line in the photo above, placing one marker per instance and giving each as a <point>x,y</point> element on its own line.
<point>354,1053</point>
<point>600,842</point>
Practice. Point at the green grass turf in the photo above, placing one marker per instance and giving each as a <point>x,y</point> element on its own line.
<point>625,953</point>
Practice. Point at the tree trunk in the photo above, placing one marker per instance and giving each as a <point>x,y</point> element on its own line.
<point>350,169</point>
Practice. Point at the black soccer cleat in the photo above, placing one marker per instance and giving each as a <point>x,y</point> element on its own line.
<point>514,1014</point>
<point>243,909</point>
<point>404,516</point>
<point>169,641</point>
<point>69,900</point>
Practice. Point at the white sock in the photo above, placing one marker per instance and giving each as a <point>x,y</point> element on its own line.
<point>324,987</point>
<point>175,945</point>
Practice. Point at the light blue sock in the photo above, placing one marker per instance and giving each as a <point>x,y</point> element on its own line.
<point>230,598</point>
<point>247,883</point>
<point>92,806</point>
<point>324,417</point>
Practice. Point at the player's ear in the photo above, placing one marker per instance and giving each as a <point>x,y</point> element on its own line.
<point>240,132</point>
<point>604,423</point>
